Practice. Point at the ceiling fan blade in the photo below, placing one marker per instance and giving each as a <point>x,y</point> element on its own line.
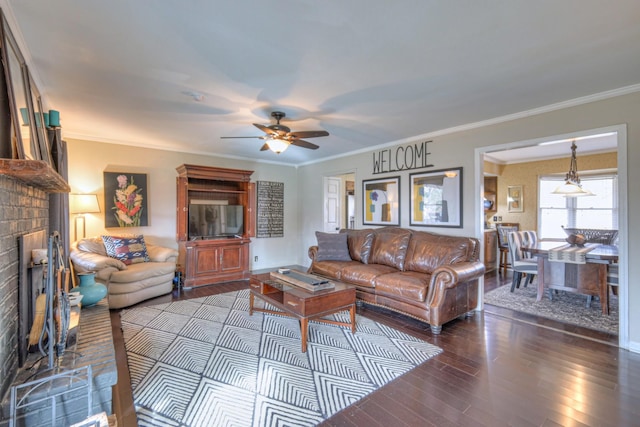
<point>304,144</point>
<point>308,134</point>
<point>230,137</point>
<point>265,147</point>
<point>266,129</point>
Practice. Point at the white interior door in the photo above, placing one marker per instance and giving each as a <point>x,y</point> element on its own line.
<point>332,204</point>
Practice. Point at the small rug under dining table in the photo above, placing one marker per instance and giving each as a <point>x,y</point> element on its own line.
<point>565,307</point>
<point>206,361</point>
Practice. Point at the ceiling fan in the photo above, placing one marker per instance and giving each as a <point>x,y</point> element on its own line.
<point>278,137</point>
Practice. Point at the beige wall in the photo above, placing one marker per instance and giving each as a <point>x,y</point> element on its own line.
<point>88,160</point>
<point>526,174</point>
<point>460,148</point>
<point>303,186</point>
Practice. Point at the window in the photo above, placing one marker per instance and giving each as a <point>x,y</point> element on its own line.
<point>599,211</point>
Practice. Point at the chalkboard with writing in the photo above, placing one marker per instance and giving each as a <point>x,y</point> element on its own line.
<point>270,221</point>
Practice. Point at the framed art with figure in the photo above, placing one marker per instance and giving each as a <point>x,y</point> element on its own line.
<point>514,198</point>
<point>125,199</point>
<point>436,198</point>
<point>381,201</point>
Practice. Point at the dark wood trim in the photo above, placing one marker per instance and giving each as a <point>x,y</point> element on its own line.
<point>36,173</point>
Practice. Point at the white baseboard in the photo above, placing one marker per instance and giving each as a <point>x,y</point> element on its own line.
<point>634,346</point>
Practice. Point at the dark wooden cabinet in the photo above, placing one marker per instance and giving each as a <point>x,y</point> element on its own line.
<point>208,257</point>
<point>214,261</point>
<point>490,250</point>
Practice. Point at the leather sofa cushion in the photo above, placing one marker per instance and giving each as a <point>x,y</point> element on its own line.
<point>92,244</point>
<point>428,251</point>
<point>364,274</point>
<point>390,247</point>
<point>359,242</point>
<point>404,284</point>
<point>142,271</point>
<point>332,269</point>
<point>146,285</point>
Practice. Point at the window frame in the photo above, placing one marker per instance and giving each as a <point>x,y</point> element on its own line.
<point>571,203</point>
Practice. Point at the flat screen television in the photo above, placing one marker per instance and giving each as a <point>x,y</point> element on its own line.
<point>211,221</point>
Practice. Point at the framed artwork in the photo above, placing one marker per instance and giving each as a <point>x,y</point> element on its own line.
<point>38,126</point>
<point>381,201</point>
<point>436,198</point>
<point>22,145</point>
<point>125,199</point>
<point>514,198</point>
<point>270,209</point>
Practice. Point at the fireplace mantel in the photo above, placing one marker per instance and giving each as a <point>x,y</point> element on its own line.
<point>36,173</point>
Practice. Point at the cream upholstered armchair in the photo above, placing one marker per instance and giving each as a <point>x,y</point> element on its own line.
<point>131,276</point>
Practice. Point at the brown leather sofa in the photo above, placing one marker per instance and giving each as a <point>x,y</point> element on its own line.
<point>428,276</point>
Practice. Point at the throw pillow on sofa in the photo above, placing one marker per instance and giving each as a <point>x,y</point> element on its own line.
<point>332,247</point>
<point>129,250</point>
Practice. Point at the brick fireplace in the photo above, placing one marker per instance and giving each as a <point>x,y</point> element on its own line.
<point>24,209</point>
<point>29,192</point>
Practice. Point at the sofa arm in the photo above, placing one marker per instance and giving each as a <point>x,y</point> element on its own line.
<point>161,254</point>
<point>89,261</point>
<point>448,276</point>
<point>313,251</point>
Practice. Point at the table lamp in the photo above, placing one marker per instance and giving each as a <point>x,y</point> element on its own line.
<point>81,204</point>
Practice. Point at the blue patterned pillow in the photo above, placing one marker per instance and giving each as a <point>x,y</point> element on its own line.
<point>129,250</point>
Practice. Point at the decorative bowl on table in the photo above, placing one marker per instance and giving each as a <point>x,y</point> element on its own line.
<point>594,235</point>
<point>576,239</point>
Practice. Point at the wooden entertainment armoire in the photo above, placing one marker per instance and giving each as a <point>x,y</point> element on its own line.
<point>208,260</point>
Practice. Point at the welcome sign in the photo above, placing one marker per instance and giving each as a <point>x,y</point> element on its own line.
<point>407,157</point>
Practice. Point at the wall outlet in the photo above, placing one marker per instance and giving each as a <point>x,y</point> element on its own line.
<point>500,219</point>
<point>495,218</point>
<point>255,258</point>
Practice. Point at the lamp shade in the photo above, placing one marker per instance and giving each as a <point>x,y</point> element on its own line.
<point>83,203</point>
<point>569,189</point>
<point>277,145</point>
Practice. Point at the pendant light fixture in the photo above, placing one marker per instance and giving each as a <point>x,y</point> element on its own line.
<point>572,186</point>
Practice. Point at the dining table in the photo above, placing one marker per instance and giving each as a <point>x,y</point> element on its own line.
<point>585,274</point>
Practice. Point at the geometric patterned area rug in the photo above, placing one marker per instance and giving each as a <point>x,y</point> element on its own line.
<point>205,362</point>
<point>565,307</point>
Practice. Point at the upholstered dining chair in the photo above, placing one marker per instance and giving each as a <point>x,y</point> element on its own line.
<point>503,229</point>
<point>522,262</point>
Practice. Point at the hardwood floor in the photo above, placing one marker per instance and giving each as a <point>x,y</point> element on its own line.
<point>498,368</point>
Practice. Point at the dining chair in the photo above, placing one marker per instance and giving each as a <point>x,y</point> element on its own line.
<point>522,262</point>
<point>503,229</point>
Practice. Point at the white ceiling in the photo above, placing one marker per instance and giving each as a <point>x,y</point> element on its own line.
<point>370,72</point>
<point>554,149</point>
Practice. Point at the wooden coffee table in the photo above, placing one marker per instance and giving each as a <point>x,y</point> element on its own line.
<point>304,305</point>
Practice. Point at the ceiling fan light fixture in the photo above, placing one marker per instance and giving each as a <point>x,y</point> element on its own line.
<point>572,186</point>
<point>279,137</point>
<point>277,145</point>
